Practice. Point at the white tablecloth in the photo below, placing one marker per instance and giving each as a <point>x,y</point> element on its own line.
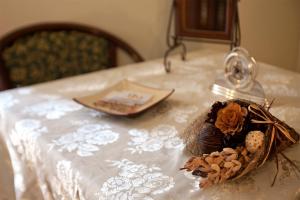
<point>62,150</point>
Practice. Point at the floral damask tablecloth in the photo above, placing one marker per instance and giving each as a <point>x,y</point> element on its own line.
<point>62,150</point>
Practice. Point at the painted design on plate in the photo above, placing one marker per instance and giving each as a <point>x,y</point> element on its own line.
<point>135,181</point>
<point>161,136</point>
<point>86,140</point>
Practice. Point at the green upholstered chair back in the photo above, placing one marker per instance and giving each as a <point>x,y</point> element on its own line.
<point>47,52</point>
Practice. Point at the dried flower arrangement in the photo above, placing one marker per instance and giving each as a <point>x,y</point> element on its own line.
<point>234,138</point>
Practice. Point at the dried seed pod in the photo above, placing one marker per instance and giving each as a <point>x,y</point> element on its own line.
<point>228,164</point>
<point>254,141</point>
<point>229,154</point>
<point>261,136</point>
<point>237,166</point>
<point>253,163</point>
<point>210,139</point>
<point>213,167</point>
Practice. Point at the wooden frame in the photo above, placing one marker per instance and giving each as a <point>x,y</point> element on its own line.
<point>182,30</point>
<point>115,42</point>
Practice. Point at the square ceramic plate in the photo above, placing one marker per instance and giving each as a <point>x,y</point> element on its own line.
<point>99,101</point>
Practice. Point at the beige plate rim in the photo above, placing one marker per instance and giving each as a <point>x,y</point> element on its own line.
<point>168,92</point>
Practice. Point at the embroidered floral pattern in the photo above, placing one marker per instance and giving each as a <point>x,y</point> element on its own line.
<point>288,172</point>
<point>135,181</point>
<point>277,78</point>
<point>280,90</point>
<point>53,109</point>
<point>66,183</point>
<point>289,114</point>
<point>82,88</point>
<point>181,115</point>
<point>7,100</point>
<point>86,139</point>
<point>97,114</point>
<point>162,136</point>
<point>24,91</point>
<point>177,112</point>
<point>78,122</point>
<point>181,86</point>
<point>195,184</point>
<point>25,134</point>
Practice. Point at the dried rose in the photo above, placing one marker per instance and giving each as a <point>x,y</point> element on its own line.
<point>230,119</point>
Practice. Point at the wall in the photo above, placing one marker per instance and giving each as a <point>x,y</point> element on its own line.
<point>140,22</point>
<point>270,28</point>
<point>298,69</point>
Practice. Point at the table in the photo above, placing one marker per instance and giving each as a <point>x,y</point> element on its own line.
<point>61,150</point>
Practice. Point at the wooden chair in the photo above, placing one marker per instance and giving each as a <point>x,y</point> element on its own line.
<point>49,51</point>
